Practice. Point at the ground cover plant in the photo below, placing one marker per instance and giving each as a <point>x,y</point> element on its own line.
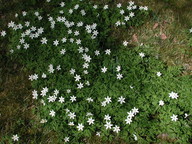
<point>89,83</point>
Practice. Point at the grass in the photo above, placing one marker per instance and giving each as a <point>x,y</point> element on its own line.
<point>173,20</point>
<point>16,105</point>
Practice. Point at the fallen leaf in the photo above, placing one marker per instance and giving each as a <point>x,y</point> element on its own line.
<point>163,36</point>
<point>134,37</point>
<point>155,25</point>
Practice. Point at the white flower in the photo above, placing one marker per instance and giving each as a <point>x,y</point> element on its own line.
<point>72,115</point>
<point>24,13</point>
<point>119,76</point>
<point>58,67</point>
<point>33,28</point>
<point>135,137</point>
<point>56,92</point>
<point>36,13</point>
<point>35,76</point>
<point>98,134</point>
<point>108,125</point>
<point>145,8</point>
<point>68,90</point>
<point>90,121</point>
<point>159,74</point>
<point>69,31</point>
<point>18,47</point>
<point>35,94</point>
<point>63,51</point>
<point>105,7</point>
<point>77,77</point>
<point>118,23</point>
<point>63,40</point>
<point>173,95</point>
<point>83,13</point>
<point>122,12</point>
<point>44,91</point>
<point>16,15</point>
<point>108,51</point>
<point>174,117</point>
<point>86,50</point>
<point>11,24</point>
<point>141,54</point>
<point>161,103</point>
<point>86,72</point>
<point>116,129</point>
<point>89,114</point>
<point>103,103</point>
<point>51,69</point>
<point>56,42</point>
<point>52,113</point>
<point>72,71</point>
<point>131,3</point>
<point>22,41</point>
<point>128,120</point>
<point>108,100</point>
<point>27,23</point>
<point>67,110</point>
<point>31,77</point>
<point>118,68</point>
<point>107,117</point>
<point>15,137</point>
<point>76,6</point>
<point>71,124</point>
<point>131,14</point>
<point>70,11</point>
<point>78,42</point>
<point>97,53</point>
<point>11,51</point>
<point>134,7</point>
<point>66,139</point>
<point>135,110</point>
<point>52,98</point>
<point>119,5</point>
<point>80,86</point>
<point>43,102</point>
<point>72,98</point>
<point>61,99</point>
<point>125,43</point>
<point>43,121</point>
<point>79,24</point>
<point>80,127</point>
<point>87,58</point>
<point>190,30</point>
<point>40,30</point>
<point>121,100</point>
<point>104,69</point>
<point>89,99</point>
<point>26,46</point>
<point>80,49</point>
<point>130,114</point>
<point>95,6</point>
<point>126,18</point>
<point>44,75</point>
<point>76,33</point>
<point>186,115</point>
<point>62,4</point>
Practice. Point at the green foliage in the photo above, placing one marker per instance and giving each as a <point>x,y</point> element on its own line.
<point>140,86</point>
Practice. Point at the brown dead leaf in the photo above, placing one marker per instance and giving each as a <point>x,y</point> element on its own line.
<point>134,38</point>
<point>163,36</point>
<point>155,25</point>
<point>166,137</point>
